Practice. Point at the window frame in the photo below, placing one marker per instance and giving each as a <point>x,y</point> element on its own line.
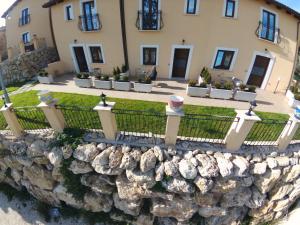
<point>196,8</point>
<point>25,20</point>
<point>70,6</point>
<point>142,54</point>
<point>232,61</point>
<point>275,28</point>
<point>88,46</point>
<point>28,37</point>
<point>226,9</point>
<point>236,9</point>
<point>141,8</point>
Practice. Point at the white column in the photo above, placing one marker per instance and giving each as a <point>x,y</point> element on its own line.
<point>12,120</point>
<point>173,123</point>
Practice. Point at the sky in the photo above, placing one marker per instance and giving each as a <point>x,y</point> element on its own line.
<point>4,4</point>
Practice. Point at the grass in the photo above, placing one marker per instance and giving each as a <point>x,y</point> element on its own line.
<point>12,87</point>
<point>209,126</point>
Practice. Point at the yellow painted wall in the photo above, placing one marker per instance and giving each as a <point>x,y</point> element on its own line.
<point>39,23</point>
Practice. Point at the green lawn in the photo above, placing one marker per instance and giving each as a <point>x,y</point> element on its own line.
<point>12,87</point>
<point>206,124</point>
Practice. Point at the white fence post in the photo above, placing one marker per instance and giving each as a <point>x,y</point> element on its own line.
<point>240,129</point>
<point>173,123</point>
<point>288,133</point>
<point>12,120</point>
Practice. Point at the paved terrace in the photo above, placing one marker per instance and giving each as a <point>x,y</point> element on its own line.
<point>267,101</point>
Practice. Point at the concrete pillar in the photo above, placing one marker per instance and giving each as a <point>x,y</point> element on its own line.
<point>173,123</point>
<point>54,116</point>
<point>10,53</point>
<point>22,47</point>
<point>12,121</point>
<point>288,133</point>
<point>240,129</point>
<point>108,120</point>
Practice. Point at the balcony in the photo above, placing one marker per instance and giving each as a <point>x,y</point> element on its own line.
<point>29,47</point>
<point>24,20</point>
<point>90,22</point>
<point>268,33</point>
<point>149,21</point>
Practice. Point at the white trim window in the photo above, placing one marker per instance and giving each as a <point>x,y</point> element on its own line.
<point>26,38</point>
<point>224,59</point>
<point>269,24</point>
<point>230,9</point>
<point>149,15</point>
<point>191,7</point>
<point>69,14</point>
<point>96,54</point>
<point>149,55</point>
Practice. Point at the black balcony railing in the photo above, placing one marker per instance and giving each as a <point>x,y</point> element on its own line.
<point>149,21</point>
<point>268,33</point>
<point>29,47</point>
<point>24,20</point>
<point>90,22</point>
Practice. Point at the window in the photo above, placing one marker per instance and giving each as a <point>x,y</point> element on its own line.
<point>224,59</point>
<point>69,12</point>
<point>268,26</point>
<point>149,55</point>
<point>96,54</point>
<point>230,8</point>
<point>26,38</point>
<point>191,6</point>
<point>90,18</point>
<point>150,14</point>
<point>25,19</point>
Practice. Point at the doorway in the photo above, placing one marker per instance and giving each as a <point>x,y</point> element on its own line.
<point>80,59</point>
<point>259,71</point>
<point>180,61</point>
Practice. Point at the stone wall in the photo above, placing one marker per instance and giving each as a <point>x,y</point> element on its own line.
<point>153,184</point>
<point>25,67</point>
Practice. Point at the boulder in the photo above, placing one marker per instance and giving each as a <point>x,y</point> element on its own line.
<point>236,198</point>
<point>282,205</point>
<point>265,209</point>
<point>55,156</point>
<point>61,193</point>
<point>86,152</point>
<point>267,181</point>
<point>224,185</point>
<point>129,207</point>
<point>144,179</point>
<point>203,184</point>
<point>158,153</point>
<point>208,199</point>
<point>211,211</point>
<point>148,161</point>
<point>97,202</point>
<point>272,163</point>
<point>187,169</point>
<point>292,174</point>
<point>115,159</point>
<point>24,160</point>
<point>283,161</point>
<point>207,166</point>
<point>67,151</point>
<point>128,162</point>
<point>11,162</point>
<point>80,167</point>
<point>259,168</point>
<point>171,169</point>
<point>178,185</point>
<point>257,199</point>
<point>159,172</point>
<point>225,166</point>
<point>241,166</point>
<point>38,151</point>
<point>98,183</point>
<point>280,191</point>
<point>145,219</point>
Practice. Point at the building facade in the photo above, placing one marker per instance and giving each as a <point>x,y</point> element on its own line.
<point>3,50</point>
<point>255,41</point>
<point>26,21</point>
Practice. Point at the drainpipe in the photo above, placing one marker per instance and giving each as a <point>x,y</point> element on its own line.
<point>296,56</point>
<point>52,33</point>
<point>124,37</point>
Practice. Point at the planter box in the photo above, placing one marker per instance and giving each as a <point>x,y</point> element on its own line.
<point>122,86</point>
<point>245,96</point>
<point>140,87</point>
<point>45,80</point>
<point>197,91</point>
<point>103,84</point>
<point>289,94</point>
<point>220,93</point>
<point>294,103</point>
<point>86,83</point>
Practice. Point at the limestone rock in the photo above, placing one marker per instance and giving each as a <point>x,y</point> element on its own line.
<point>179,208</point>
<point>166,221</point>
<point>187,169</point>
<point>55,156</point>
<point>11,162</point>
<point>97,202</point>
<point>259,212</point>
<point>129,207</point>
<point>148,161</point>
<point>236,198</point>
<point>211,211</point>
<point>98,183</point>
<point>267,181</point>
<point>259,168</point>
<point>101,146</point>
<point>241,166</point>
<point>61,192</point>
<point>283,161</point>
<point>207,166</point>
<point>115,159</point>
<point>145,219</point>
<point>136,154</point>
<point>282,205</point>
<point>280,191</point>
<point>57,175</point>
<point>224,185</point>
<point>143,179</point>
<point>203,184</point>
<point>295,194</point>
<point>38,151</point>
<point>158,153</point>
<point>16,175</point>
<point>178,185</point>
<point>67,151</point>
<point>272,163</point>
<point>257,199</point>
<point>171,169</point>
<point>86,152</point>
<point>293,174</point>
<point>159,172</point>
<point>208,199</point>
<point>24,160</point>
<point>128,162</point>
<point>225,166</point>
<point>80,167</point>
<point>39,177</point>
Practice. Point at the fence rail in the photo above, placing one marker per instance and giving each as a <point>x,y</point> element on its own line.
<point>205,128</point>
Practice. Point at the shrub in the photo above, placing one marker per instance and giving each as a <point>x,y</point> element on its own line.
<point>118,70</point>
<point>228,85</point>
<point>243,87</point>
<point>294,89</point>
<point>192,83</point>
<point>124,68</point>
<point>124,79</point>
<point>105,78</point>
<point>218,85</point>
<point>205,74</point>
<point>70,136</point>
<point>83,75</point>
<point>147,80</point>
<point>115,71</point>
<point>203,85</point>
<point>252,89</point>
<point>43,73</point>
<point>116,77</point>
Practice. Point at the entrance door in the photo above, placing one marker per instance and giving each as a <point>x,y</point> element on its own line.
<point>80,59</point>
<point>181,57</point>
<point>259,70</point>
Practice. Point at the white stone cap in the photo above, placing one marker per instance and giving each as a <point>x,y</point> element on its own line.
<point>172,112</point>
<point>101,107</point>
<point>9,105</point>
<point>242,115</point>
<point>43,104</point>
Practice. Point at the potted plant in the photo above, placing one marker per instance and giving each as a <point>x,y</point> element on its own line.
<point>220,91</point>
<point>143,85</point>
<point>195,90</point>
<point>124,70</point>
<point>44,77</point>
<point>121,83</point>
<point>247,93</point>
<point>102,82</point>
<point>83,80</point>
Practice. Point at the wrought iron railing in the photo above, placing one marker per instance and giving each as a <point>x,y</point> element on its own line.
<point>84,118</point>
<point>149,21</point>
<point>262,32</point>
<point>90,22</point>
<point>145,124</point>
<point>31,118</point>
<point>3,123</point>
<point>29,47</point>
<point>205,128</point>
<point>297,135</point>
<point>266,132</point>
<point>24,20</point>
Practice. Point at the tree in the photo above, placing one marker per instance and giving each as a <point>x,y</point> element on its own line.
<point>297,71</point>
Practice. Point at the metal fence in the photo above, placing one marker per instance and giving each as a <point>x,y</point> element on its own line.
<point>266,132</point>
<point>31,118</point>
<point>84,118</point>
<point>3,123</point>
<point>205,128</point>
<point>141,123</point>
